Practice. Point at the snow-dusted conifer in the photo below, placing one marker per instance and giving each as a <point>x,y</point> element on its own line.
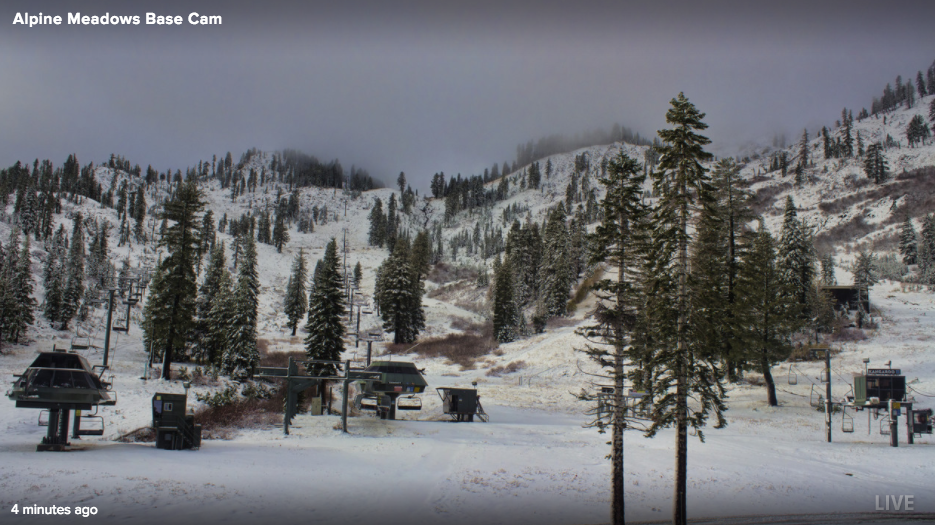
<point>240,352</point>
<point>401,291</point>
<point>74,269</point>
<point>617,242</point>
<point>766,314</point>
<point>908,244</point>
<point>504,307</point>
<point>680,369</point>
<point>555,271</point>
<point>325,340</point>
<point>296,302</point>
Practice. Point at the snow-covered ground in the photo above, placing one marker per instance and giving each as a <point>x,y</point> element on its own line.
<point>532,463</point>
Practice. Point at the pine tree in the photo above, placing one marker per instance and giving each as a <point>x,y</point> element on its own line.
<point>22,285</point>
<point>211,330</point>
<point>797,258</point>
<point>616,242</point>
<point>865,276</point>
<point>240,351</point>
<point>917,131</point>
<point>555,273</point>
<point>392,224</point>
<point>359,274</point>
<point>681,182</point>
<point>803,151</point>
<point>875,165</point>
<point>908,245</point>
<point>926,250</point>
<point>505,316</point>
<point>218,319</point>
<point>280,233</point>
<point>54,277</point>
<point>400,299</point>
<point>377,224</point>
<point>74,268</point>
<point>421,255</point>
<point>827,271</point>
<point>766,312</point>
<point>325,340</point>
<point>296,302</point>
<point>175,299</point>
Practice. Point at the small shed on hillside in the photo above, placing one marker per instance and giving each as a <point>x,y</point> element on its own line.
<point>846,297</point>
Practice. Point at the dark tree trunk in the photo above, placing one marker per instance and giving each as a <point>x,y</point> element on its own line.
<point>167,355</point>
<point>293,329</point>
<point>770,384</point>
<point>619,423</point>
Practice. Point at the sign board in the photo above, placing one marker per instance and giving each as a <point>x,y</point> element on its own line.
<point>636,394</point>
<point>884,372</point>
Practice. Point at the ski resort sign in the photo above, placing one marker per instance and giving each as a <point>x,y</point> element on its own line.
<point>884,372</point>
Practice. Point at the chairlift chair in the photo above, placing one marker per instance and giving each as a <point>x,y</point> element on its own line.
<point>793,378</point>
<point>815,398</point>
<point>409,403</point>
<point>847,421</point>
<point>79,342</point>
<point>885,426</point>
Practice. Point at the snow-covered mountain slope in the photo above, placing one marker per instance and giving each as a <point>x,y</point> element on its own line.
<point>533,463</point>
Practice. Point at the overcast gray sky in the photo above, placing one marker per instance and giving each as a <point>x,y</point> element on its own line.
<point>426,86</point>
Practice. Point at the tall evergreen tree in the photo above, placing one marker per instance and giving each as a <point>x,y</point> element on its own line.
<point>400,299</point>
<point>240,352</point>
<point>865,276</point>
<point>175,300</point>
<point>377,224</point>
<point>827,271</point>
<point>555,272</point>
<point>797,258</point>
<point>734,212</point>
<point>682,184</point>
<point>908,245</point>
<point>74,268</point>
<point>616,242</point>
<point>296,301</point>
<point>54,277</point>
<point>359,274</point>
<point>325,340</point>
<point>211,331</point>
<point>22,283</point>
<point>505,316</point>
<point>392,224</point>
<point>766,312</point>
<point>280,233</point>
<point>875,166</point>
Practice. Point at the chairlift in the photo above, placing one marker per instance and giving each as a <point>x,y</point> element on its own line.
<point>793,377</point>
<point>815,398</point>
<point>97,428</point>
<point>80,343</point>
<point>43,422</point>
<point>409,403</point>
<point>120,328</point>
<point>825,376</point>
<point>885,426</point>
<point>847,421</point>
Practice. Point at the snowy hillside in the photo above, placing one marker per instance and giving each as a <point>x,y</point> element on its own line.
<point>533,462</point>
